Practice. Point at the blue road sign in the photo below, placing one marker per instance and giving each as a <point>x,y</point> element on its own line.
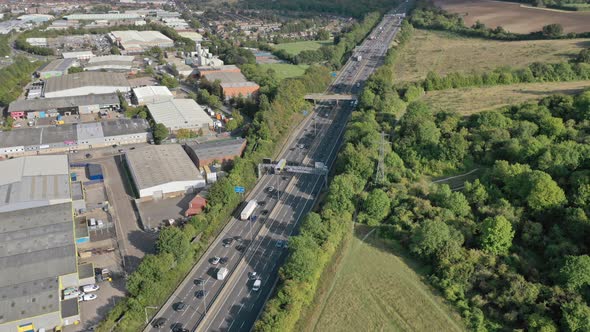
<point>304,112</point>
<point>333,74</point>
<point>239,190</point>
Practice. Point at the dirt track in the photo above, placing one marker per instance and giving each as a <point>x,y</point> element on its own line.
<point>515,17</point>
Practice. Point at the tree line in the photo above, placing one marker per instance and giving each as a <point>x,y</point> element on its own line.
<point>177,250</point>
<point>427,16</point>
<point>353,8</point>
<point>14,79</point>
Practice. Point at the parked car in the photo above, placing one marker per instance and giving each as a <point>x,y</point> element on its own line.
<point>88,156</point>
<point>279,244</point>
<point>86,297</point>
<point>90,288</point>
<point>215,260</point>
<point>159,323</point>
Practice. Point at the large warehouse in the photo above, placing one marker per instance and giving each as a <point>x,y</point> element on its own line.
<point>160,171</point>
<point>151,94</point>
<point>37,108</point>
<point>233,82</point>
<point>180,114</point>
<point>133,41</point>
<point>38,252</point>
<point>57,67</point>
<point>120,63</point>
<point>85,83</point>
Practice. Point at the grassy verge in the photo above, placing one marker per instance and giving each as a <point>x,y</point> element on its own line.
<point>472,100</point>
<point>285,70</point>
<point>376,288</point>
<point>297,47</point>
<point>438,52</point>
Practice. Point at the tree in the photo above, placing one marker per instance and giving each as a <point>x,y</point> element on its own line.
<point>434,237</point>
<point>160,133</point>
<point>115,50</point>
<point>496,235</point>
<point>322,35</point>
<point>174,241</point>
<point>73,70</point>
<point>376,206</point>
<point>575,316</point>
<point>552,30</point>
<point>539,323</point>
<point>185,133</point>
<point>541,192</point>
<point>575,272</point>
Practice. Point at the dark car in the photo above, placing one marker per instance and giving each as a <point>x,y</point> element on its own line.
<point>199,281</point>
<point>223,260</point>
<point>200,294</point>
<point>179,328</point>
<point>262,203</point>
<point>88,156</point>
<point>240,248</point>
<point>228,242</point>
<point>238,239</point>
<point>159,323</point>
<point>180,307</point>
<point>264,212</point>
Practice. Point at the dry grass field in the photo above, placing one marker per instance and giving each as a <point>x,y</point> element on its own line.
<point>374,289</point>
<point>471,100</point>
<point>515,17</point>
<point>444,52</point>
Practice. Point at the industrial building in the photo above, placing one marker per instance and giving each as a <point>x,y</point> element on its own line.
<point>56,68</point>
<point>35,18</point>
<point>40,42</point>
<point>161,171</point>
<point>72,137</point>
<point>103,17</point>
<point>80,55</point>
<point>85,83</point>
<point>180,114</point>
<point>203,154</point>
<point>233,82</point>
<point>38,250</point>
<point>203,58</point>
<point>151,94</point>
<point>192,35</point>
<point>118,63</point>
<point>133,41</point>
<point>41,108</point>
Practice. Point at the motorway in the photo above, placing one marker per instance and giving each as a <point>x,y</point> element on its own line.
<point>231,304</point>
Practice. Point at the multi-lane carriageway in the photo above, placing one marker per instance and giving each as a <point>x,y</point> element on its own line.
<point>231,304</point>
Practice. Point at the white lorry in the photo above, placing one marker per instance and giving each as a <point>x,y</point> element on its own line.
<point>222,273</point>
<point>248,210</point>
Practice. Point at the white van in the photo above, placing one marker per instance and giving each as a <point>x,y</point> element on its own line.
<point>256,285</point>
<point>222,273</point>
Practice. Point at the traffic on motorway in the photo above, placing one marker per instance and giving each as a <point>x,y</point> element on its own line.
<point>227,288</point>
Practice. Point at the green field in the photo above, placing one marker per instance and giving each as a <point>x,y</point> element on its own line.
<point>374,289</point>
<point>285,70</point>
<point>444,53</point>
<point>467,101</point>
<point>296,47</point>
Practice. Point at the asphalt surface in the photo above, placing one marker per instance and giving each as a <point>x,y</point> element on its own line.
<point>231,304</point>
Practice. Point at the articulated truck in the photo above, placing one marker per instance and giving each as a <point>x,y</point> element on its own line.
<point>248,210</point>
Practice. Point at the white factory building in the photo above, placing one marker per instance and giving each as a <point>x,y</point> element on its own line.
<point>203,58</point>
<point>120,63</point>
<point>161,171</point>
<point>133,41</point>
<point>180,114</point>
<point>81,55</point>
<point>151,94</point>
<point>85,83</point>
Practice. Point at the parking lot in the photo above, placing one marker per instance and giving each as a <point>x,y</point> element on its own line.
<point>98,43</point>
<point>154,213</point>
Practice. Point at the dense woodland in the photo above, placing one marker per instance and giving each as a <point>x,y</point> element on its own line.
<point>341,7</point>
<point>14,78</point>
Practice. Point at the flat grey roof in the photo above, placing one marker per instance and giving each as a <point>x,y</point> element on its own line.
<point>69,308</point>
<point>77,191</point>
<point>217,149</point>
<point>225,77</point>
<point>87,78</point>
<point>36,247</point>
<point>57,65</point>
<point>69,132</point>
<point>45,104</point>
<point>159,164</point>
<point>124,127</point>
<point>85,270</point>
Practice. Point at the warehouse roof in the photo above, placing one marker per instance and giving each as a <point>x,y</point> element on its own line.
<point>36,246</point>
<point>180,113</point>
<point>145,92</point>
<point>110,16</point>
<point>218,149</point>
<point>63,102</point>
<point>83,79</point>
<point>68,132</point>
<point>140,37</point>
<point>160,164</point>
<point>111,58</point>
<point>67,55</point>
<point>225,77</point>
<point>58,65</point>
<point>33,181</point>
